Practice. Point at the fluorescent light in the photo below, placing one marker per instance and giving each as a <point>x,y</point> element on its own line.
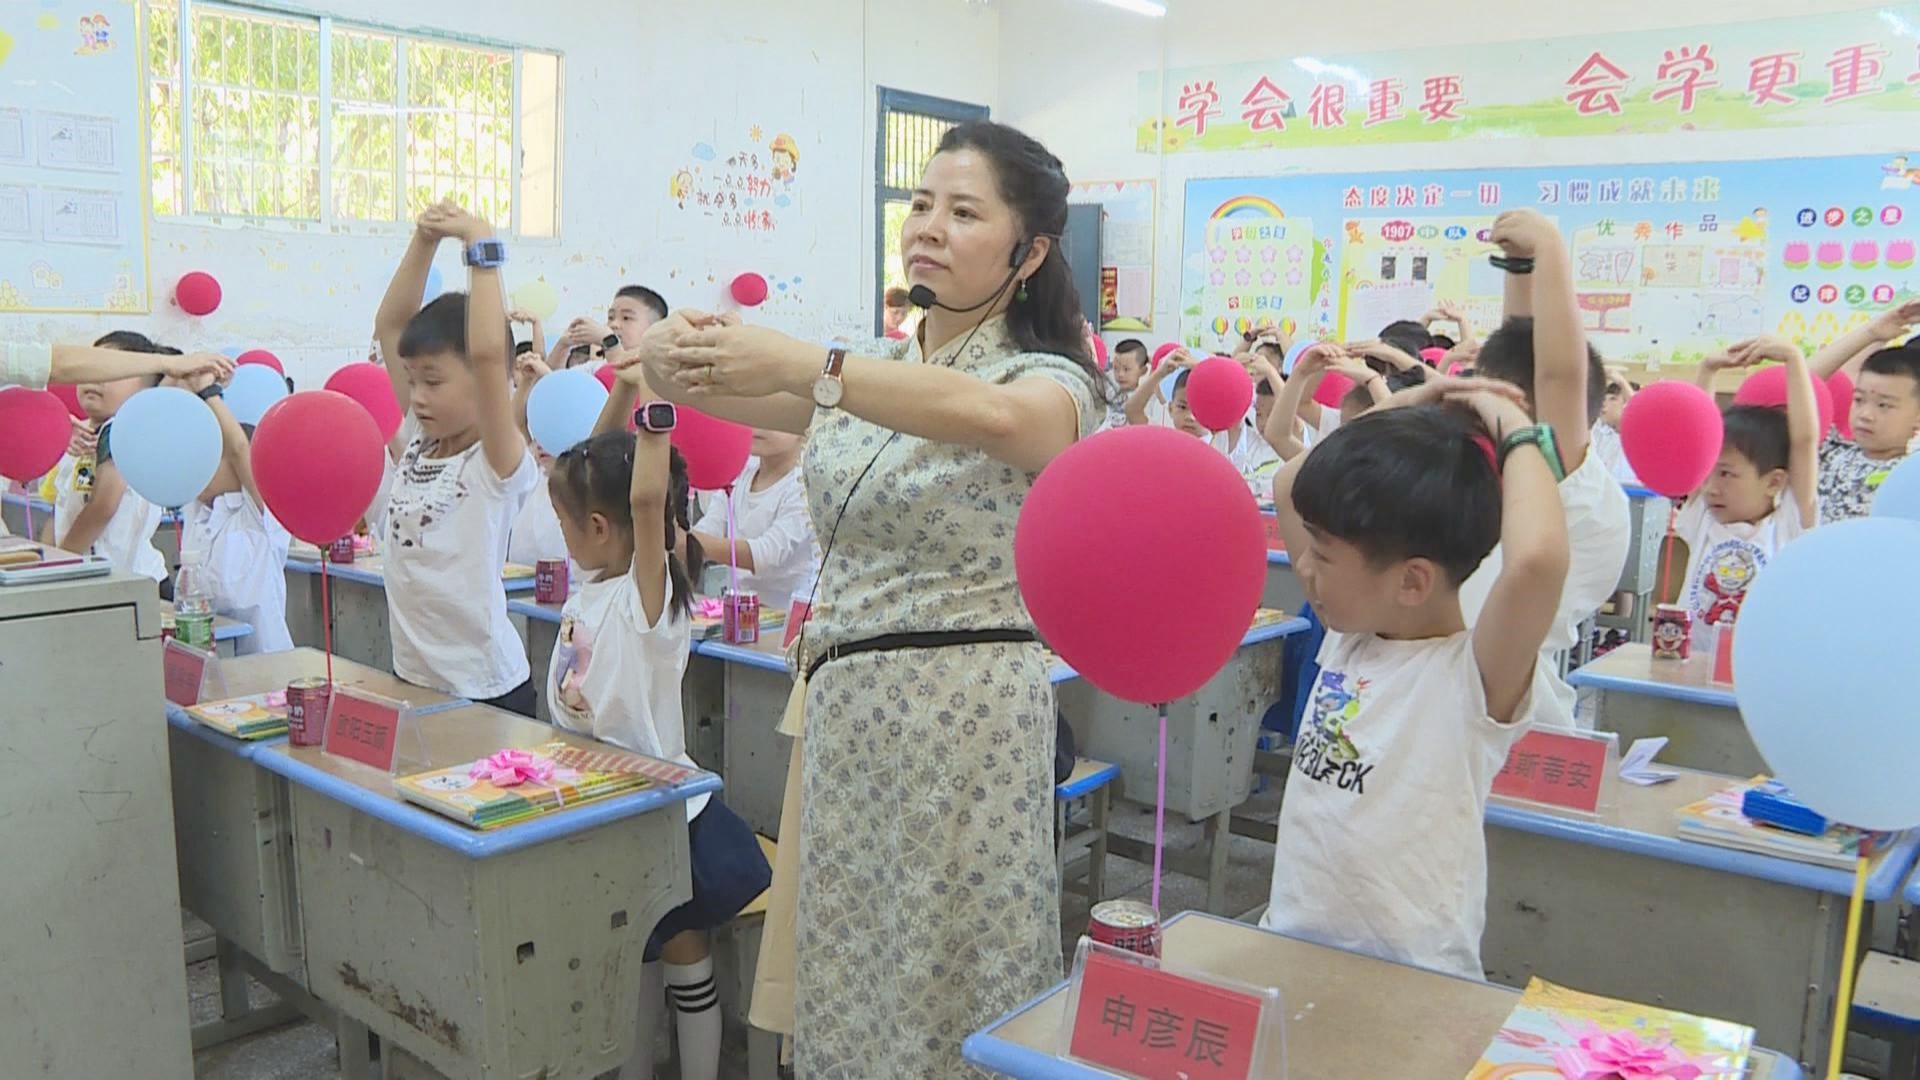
<point>1139,7</point>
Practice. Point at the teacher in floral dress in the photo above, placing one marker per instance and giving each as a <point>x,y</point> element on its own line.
<point>928,895</point>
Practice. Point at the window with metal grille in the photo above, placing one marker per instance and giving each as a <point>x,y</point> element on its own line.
<point>910,129</point>
<point>268,114</point>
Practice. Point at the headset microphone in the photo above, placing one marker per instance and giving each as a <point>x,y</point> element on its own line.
<point>922,297</point>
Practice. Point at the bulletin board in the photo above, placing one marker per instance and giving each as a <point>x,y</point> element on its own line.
<point>1128,209</point>
<point>1670,261</point>
<point>73,223</point>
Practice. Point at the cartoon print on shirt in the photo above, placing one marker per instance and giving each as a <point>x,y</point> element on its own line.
<point>574,647</point>
<point>430,492</point>
<point>1323,751</point>
<point>1730,568</point>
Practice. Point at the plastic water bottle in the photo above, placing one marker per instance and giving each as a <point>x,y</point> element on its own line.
<point>192,606</point>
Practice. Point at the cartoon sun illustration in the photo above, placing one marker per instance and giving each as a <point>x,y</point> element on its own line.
<point>755,133</point>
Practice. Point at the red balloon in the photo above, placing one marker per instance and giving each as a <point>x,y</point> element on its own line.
<point>69,396</point>
<point>1160,354</point>
<point>1333,389</point>
<point>369,385</point>
<point>716,450</point>
<point>262,356</point>
<point>197,293</point>
<point>1768,387</point>
<point>749,290</point>
<point>606,374</point>
<point>317,459</point>
<point>1219,392</point>
<point>1671,432</point>
<point>1840,391</point>
<point>1433,356</point>
<point>1127,497</point>
<point>34,430</point>
<point>1099,352</point>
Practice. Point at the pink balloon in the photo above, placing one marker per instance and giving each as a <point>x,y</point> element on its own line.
<point>317,459</point>
<point>1099,352</point>
<point>34,429</point>
<point>716,450</point>
<point>69,396</point>
<point>197,293</point>
<point>749,290</point>
<point>1333,389</point>
<point>1768,387</point>
<point>1840,391</point>
<point>262,356</point>
<point>1160,354</point>
<point>369,385</point>
<point>606,375</point>
<point>1219,392</point>
<point>1127,497</point>
<point>1433,356</point>
<point>1671,432</point>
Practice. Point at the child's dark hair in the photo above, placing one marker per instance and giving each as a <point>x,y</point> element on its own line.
<point>1508,354</point>
<point>441,327</point>
<point>1407,336</point>
<point>596,477</point>
<point>1405,483</point>
<point>1398,379</point>
<point>135,342</point>
<point>1903,360</point>
<point>1760,433</point>
<point>649,299</point>
<point>1132,345</point>
<point>1441,341</point>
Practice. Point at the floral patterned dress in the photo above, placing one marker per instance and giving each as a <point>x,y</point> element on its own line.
<point>929,900</point>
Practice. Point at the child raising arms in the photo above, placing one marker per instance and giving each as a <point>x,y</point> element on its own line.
<point>1886,411</point>
<point>1381,845</point>
<point>461,472</point>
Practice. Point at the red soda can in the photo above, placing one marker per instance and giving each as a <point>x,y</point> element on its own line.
<point>307,710</point>
<point>1125,924</point>
<point>1672,632</point>
<point>341,550</point>
<point>740,616</point>
<point>550,581</point>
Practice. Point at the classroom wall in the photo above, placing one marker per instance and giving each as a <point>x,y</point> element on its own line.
<point>1077,92</point>
<point>645,80</point>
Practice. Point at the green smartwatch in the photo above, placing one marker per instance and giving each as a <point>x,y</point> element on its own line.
<point>1540,435</point>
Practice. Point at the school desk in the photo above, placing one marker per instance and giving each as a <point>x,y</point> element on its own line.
<point>1283,591</point>
<point>233,830</point>
<point>1631,693</point>
<point>359,594</point>
<point>514,952</point>
<point>1620,905</point>
<point>228,631</point>
<point>1346,1015</point>
<point>89,887</point>
<point>14,506</point>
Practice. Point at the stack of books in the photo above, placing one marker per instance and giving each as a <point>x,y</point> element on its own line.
<point>588,775</point>
<point>1559,1032</point>
<point>256,716</point>
<point>1719,820</point>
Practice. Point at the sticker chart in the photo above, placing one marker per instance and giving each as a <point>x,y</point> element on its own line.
<point>72,212</point>
<point>1670,261</point>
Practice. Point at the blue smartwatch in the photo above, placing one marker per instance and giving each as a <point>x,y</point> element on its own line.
<point>486,254</point>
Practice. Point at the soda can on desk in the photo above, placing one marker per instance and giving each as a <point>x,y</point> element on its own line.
<point>307,710</point>
<point>550,581</point>
<point>1672,632</point>
<point>740,616</point>
<point>1125,924</point>
<point>341,550</point>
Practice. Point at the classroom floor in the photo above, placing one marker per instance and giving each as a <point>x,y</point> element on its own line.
<point>306,1051</point>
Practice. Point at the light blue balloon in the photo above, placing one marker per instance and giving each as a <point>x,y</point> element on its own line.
<point>166,443</point>
<point>435,285</point>
<point>562,409</point>
<point>1293,355</point>
<point>253,389</point>
<point>1824,640</point>
<point>1899,494</point>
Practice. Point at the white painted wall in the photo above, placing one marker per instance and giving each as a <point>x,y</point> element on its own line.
<point>645,79</point>
<point>1070,75</point>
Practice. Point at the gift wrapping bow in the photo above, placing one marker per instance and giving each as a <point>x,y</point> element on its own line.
<point>510,768</point>
<point>1599,1054</point>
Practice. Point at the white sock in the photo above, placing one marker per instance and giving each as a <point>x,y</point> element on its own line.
<point>639,1064</point>
<point>696,1012</point>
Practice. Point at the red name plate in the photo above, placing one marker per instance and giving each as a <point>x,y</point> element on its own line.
<point>1723,656</point>
<point>1554,768</point>
<point>1275,542</point>
<point>797,617</point>
<point>1158,1026</point>
<point>185,669</point>
<point>363,728</point>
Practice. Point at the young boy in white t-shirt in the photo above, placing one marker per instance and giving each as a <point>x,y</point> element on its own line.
<point>1885,416</point>
<point>774,545</point>
<point>1381,847</point>
<point>462,471</point>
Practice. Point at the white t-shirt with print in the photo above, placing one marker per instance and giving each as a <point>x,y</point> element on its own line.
<point>128,537</point>
<point>1724,558</point>
<point>447,521</point>
<point>616,677</point>
<point>246,558</point>
<point>775,524</point>
<point>1599,532</point>
<point>1849,479</point>
<point>1382,843</point>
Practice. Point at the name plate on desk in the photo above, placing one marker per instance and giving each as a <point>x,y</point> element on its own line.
<point>186,671</point>
<point>365,727</point>
<point>1275,542</point>
<point>1566,770</point>
<point>1127,1013</point>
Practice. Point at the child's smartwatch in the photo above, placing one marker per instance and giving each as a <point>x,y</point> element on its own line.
<point>486,254</point>
<point>1540,435</point>
<point>658,417</point>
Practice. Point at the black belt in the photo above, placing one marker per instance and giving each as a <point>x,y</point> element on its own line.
<point>933,639</point>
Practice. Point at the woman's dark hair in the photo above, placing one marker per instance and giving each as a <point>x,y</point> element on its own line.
<point>596,477</point>
<point>1034,183</point>
<point>1760,434</point>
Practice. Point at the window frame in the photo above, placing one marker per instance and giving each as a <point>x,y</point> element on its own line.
<point>890,102</point>
<point>324,25</point>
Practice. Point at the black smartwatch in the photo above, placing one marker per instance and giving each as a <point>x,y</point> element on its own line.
<point>211,391</point>
<point>609,343</point>
<point>1516,265</point>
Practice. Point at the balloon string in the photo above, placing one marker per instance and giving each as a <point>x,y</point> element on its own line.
<point>733,547</point>
<point>1666,552</point>
<point>326,617</point>
<point>27,501</point>
<point>1160,811</point>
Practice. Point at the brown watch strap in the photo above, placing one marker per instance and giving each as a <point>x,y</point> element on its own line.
<point>836,359</point>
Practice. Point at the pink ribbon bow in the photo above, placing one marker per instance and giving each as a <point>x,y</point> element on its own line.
<point>510,768</point>
<point>1599,1054</point>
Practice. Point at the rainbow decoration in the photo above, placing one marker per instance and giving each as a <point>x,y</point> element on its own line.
<point>1246,206</point>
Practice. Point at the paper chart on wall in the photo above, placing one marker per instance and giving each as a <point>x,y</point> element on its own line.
<point>1128,209</point>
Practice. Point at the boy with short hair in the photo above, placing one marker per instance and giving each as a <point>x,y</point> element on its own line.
<point>1886,412</point>
<point>633,309</point>
<point>1381,846</point>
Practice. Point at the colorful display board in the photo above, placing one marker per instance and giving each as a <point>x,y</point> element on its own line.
<point>1670,261</point>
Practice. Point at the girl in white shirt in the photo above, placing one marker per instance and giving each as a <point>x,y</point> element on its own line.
<point>242,549</point>
<point>617,667</point>
<point>774,542</point>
